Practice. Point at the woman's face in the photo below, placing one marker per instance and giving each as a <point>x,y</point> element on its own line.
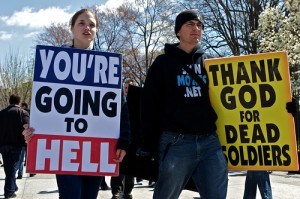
<point>84,30</point>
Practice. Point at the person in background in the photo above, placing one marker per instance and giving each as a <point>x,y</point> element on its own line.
<point>260,179</point>
<point>22,159</point>
<point>24,106</point>
<point>84,24</point>
<point>126,86</point>
<point>122,185</point>
<point>176,111</point>
<point>12,119</point>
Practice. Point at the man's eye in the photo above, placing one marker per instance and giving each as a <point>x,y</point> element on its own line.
<point>199,25</point>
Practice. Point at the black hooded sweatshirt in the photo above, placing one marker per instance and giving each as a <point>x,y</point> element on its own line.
<point>172,100</point>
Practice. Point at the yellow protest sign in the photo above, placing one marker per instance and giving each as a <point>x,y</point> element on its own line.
<point>249,94</point>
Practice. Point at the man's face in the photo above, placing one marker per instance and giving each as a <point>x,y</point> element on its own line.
<point>190,32</point>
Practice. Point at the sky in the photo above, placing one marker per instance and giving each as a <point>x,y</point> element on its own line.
<point>21,21</point>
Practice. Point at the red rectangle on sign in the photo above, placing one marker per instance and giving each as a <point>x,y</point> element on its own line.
<point>72,155</point>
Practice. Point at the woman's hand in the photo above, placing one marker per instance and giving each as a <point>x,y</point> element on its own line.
<point>120,155</point>
<point>27,132</point>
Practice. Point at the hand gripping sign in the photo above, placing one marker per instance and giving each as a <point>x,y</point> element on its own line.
<point>75,111</point>
<point>249,94</point>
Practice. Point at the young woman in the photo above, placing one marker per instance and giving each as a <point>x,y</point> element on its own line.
<point>84,25</point>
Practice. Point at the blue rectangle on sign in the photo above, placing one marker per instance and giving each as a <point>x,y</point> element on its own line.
<point>77,67</point>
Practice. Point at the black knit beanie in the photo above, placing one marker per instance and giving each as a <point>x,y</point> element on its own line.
<point>185,16</point>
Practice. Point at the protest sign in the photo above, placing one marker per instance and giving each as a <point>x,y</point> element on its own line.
<point>249,94</point>
<point>75,111</point>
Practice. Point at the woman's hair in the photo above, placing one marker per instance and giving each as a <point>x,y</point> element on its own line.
<point>75,16</point>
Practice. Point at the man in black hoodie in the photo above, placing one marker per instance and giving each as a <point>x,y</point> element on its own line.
<point>176,108</point>
<point>11,141</point>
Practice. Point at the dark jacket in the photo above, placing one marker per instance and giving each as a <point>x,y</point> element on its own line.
<point>125,130</point>
<point>172,100</point>
<point>12,120</point>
